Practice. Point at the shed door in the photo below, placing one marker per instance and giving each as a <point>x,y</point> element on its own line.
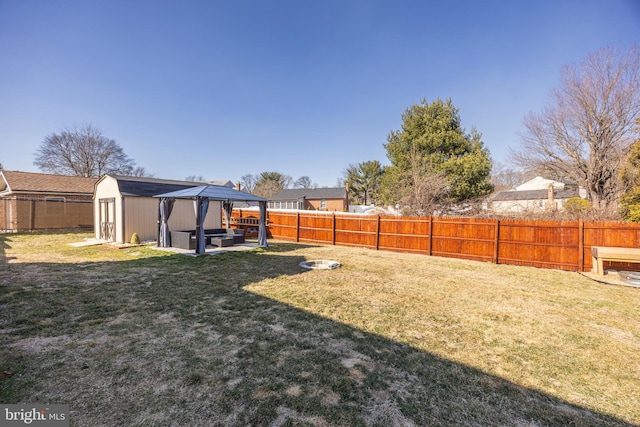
<point>107,219</point>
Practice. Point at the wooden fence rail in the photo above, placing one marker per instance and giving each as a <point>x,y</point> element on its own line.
<point>562,245</point>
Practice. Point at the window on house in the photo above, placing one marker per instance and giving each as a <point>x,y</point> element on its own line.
<point>323,203</point>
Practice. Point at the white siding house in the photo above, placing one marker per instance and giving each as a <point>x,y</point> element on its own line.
<point>536,195</point>
<point>124,205</point>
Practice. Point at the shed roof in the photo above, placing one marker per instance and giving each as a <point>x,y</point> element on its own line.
<point>148,187</point>
<point>42,183</point>
<point>142,186</point>
<point>311,193</point>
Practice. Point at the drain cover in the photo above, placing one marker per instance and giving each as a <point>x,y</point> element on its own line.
<point>320,264</point>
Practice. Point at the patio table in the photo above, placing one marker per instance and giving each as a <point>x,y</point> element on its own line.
<point>222,242</point>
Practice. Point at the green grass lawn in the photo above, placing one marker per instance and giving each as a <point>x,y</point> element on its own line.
<point>138,337</point>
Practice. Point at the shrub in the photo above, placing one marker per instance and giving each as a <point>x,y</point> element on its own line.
<point>633,212</point>
<point>577,205</point>
<point>135,239</point>
<point>630,205</point>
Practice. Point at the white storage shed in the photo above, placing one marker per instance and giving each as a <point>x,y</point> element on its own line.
<point>124,205</point>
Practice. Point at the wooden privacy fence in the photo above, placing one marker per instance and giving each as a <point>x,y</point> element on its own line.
<point>36,214</point>
<point>562,245</point>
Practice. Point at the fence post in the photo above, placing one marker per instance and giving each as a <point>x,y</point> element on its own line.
<point>32,215</point>
<point>297,226</point>
<point>496,247</point>
<point>580,244</point>
<point>430,251</point>
<point>333,226</point>
<point>378,233</point>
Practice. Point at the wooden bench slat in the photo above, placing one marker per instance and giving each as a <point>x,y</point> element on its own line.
<point>599,254</point>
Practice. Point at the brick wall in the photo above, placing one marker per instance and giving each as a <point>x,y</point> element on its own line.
<point>331,205</point>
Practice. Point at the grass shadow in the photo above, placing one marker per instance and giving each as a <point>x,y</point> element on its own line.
<point>4,245</point>
<point>174,340</point>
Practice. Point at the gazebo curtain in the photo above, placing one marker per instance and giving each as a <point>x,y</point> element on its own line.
<point>228,208</point>
<point>262,230</point>
<point>201,205</point>
<point>166,206</point>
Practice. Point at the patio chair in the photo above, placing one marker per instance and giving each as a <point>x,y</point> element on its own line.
<point>237,234</point>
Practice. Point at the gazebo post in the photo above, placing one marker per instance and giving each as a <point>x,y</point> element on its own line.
<point>198,203</point>
<point>262,229</point>
<point>159,219</point>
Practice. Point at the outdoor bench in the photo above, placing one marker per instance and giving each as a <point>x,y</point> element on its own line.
<point>599,254</point>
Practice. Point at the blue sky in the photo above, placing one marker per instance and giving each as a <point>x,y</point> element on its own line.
<point>224,89</point>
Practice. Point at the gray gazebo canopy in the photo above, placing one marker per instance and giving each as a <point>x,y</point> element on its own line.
<point>201,196</point>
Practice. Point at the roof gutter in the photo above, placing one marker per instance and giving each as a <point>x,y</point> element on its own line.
<point>18,192</point>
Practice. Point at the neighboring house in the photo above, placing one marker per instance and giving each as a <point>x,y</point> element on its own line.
<point>537,195</point>
<point>322,199</point>
<point>37,201</point>
<point>222,184</point>
<point>124,205</point>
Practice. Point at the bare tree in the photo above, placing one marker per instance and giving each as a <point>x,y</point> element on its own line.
<point>304,182</point>
<point>141,172</point>
<point>248,183</point>
<point>427,189</point>
<point>195,178</point>
<point>82,151</point>
<point>504,177</point>
<point>422,187</point>
<point>585,130</point>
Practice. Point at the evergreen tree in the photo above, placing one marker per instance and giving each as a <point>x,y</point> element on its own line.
<point>433,160</point>
<point>630,177</point>
<point>270,183</point>
<point>364,179</point>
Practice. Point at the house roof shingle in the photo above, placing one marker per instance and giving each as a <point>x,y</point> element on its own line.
<point>504,196</point>
<point>29,182</point>
<point>310,193</point>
